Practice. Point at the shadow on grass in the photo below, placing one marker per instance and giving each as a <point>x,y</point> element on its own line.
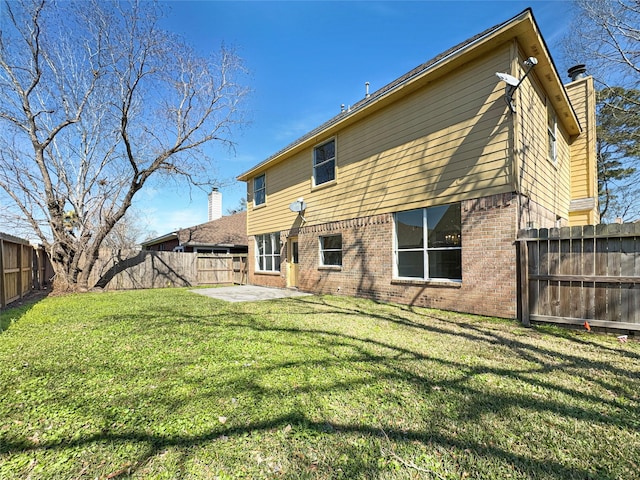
<point>158,443</point>
<point>369,359</point>
<point>17,309</point>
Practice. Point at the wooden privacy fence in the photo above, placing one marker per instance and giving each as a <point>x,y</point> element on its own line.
<point>125,270</point>
<point>577,274</point>
<point>16,268</point>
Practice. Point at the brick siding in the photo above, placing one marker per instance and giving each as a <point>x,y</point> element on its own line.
<point>489,268</point>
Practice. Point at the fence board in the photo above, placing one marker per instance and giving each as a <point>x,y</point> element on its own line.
<point>543,286</point>
<point>583,273</point>
<point>126,270</point>
<point>600,289</point>
<point>588,287</point>
<point>554,286</point>
<point>565,286</point>
<point>533,265</point>
<point>576,298</point>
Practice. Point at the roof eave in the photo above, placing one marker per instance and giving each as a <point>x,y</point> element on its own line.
<point>213,245</point>
<point>162,239</point>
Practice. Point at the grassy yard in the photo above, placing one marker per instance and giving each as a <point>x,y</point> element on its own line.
<point>169,384</point>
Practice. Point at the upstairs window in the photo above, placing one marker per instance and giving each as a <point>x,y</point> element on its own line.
<point>428,243</point>
<point>324,163</point>
<point>259,190</point>
<point>552,131</point>
<point>331,250</point>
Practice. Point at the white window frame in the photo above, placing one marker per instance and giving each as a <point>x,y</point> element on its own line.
<point>425,249</point>
<point>263,190</point>
<point>327,250</point>
<point>332,159</point>
<point>274,239</point>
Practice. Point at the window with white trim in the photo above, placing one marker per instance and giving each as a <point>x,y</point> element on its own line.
<point>324,163</point>
<point>331,250</point>
<point>268,252</point>
<point>552,132</point>
<point>259,190</point>
<point>428,243</point>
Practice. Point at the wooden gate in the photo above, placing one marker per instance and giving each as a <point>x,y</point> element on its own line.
<point>577,274</point>
<point>215,269</point>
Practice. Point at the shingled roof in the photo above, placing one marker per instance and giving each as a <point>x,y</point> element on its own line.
<point>225,231</point>
<point>228,231</point>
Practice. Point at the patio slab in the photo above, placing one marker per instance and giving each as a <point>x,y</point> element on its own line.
<point>248,293</point>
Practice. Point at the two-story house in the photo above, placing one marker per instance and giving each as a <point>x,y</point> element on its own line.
<point>417,192</point>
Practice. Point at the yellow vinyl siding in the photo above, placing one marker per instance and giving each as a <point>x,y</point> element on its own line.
<point>286,182</point>
<point>584,181</point>
<point>542,180</point>
<point>580,218</point>
<point>445,142</point>
<point>579,160</point>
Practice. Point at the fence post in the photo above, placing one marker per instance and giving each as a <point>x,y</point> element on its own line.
<point>524,282</point>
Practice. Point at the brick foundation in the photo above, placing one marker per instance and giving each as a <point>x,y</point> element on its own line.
<point>489,268</point>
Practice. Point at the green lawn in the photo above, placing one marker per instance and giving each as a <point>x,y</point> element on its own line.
<point>170,384</point>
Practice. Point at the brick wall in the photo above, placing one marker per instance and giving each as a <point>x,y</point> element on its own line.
<point>489,267</point>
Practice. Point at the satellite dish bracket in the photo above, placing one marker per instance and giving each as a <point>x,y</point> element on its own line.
<point>513,83</point>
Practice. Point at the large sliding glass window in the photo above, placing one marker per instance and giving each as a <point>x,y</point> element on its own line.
<point>268,252</point>
<point>428,243</point>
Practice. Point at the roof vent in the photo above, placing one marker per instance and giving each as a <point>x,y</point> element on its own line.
<point>577,72</point>
<point>366,90</point>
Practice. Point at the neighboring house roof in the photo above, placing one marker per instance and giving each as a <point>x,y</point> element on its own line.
<point>226,231</point>
<point>523,26</point>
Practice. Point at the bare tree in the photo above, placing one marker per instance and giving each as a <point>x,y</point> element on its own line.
<point>96,101</point>
<point>606,34</point>
<point>127,232</point>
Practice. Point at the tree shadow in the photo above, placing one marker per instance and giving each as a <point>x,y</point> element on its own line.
<point>160,271</point>
<point>368,358</point>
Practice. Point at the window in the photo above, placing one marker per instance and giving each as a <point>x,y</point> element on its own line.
<point>428,243</point>
<point>331,250</point>
<point>259,190</point>
<point>268,252</point>
<point>324,163</point>
<point>552,127</point>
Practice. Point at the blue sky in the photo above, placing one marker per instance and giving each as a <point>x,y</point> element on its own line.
<point>305,59</point>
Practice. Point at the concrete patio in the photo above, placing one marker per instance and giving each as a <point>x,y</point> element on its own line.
<point>248,293</point>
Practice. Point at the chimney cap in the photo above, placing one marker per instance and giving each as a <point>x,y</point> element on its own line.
<point>577,72</point>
